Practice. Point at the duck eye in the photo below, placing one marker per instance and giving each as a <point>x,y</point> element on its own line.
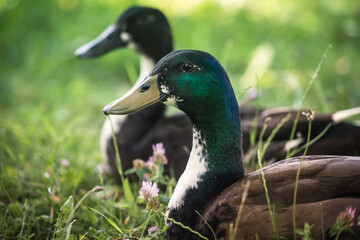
<point>145,87</point>
<point>187,67</point>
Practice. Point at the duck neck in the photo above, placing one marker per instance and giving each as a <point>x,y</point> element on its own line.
<point>215,163</point>
<point>146,65</point>
<point>156,49</point>
<point>144,119</point>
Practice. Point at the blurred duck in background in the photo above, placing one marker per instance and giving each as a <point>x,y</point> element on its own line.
<point>147,31</point>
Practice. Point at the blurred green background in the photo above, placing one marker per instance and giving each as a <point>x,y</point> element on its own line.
<point>51,103</point>
<point>38,39</point>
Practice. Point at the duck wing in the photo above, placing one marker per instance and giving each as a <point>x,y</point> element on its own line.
<point>327,185</point>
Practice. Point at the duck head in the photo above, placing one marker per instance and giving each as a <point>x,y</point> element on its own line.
<point>144,29</point>
<point>192,81</point>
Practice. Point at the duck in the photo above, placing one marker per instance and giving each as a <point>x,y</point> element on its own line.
<point>209,193</point>
<point>337,136</point>
<point>147,31</point>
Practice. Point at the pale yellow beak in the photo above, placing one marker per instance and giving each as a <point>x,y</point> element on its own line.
<point>138,97</point>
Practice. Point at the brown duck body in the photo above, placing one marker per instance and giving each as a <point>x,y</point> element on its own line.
<point>340,139</point>
<point>326,187</point>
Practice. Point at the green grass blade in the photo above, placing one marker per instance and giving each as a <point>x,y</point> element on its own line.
<point>52,154</point>
<point>129,196</point>
<point>272,215</point>
<point>207,224</point>
<point>237,221</point>
<point>95,189</point>
<point>299,168</point>
<point>314,76</point>
<point>185,227</point>
<point>63,225</point>
<point>112,223</point>
<point>273,133</point>
<point>312,140</point>
<point>2,184</point>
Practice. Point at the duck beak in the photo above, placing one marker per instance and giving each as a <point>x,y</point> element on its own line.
<point>138,97</point>
<point>108,40</point>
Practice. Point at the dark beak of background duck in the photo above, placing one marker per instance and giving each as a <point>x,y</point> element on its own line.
<point>108,40</point>
<point>138,97</point>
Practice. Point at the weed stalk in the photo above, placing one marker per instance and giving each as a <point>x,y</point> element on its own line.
<point>94,189</point>
<point>185,227</point>
<point>272,215</point>
<point>314,76</point>
<point>310,116</point>
<point>237,221</point>
<point>207,224</point>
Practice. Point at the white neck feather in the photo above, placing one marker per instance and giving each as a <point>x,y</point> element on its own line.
<point>146,65</point>
<point>195,167</point>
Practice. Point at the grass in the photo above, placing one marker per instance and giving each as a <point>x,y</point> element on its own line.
<point>314,76</point>
<point>50,102</point>
<point>310,118</point>
<point>234,228</point>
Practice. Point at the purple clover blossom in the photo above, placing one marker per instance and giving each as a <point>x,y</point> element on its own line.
<point>150,163</point>
<point>152,166</point>
<point>347,217</point>
<point>158,149</point>
<point>344,222</point>
<point>153,229</point>
<point>159,153</point>
<point>149,191</point>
